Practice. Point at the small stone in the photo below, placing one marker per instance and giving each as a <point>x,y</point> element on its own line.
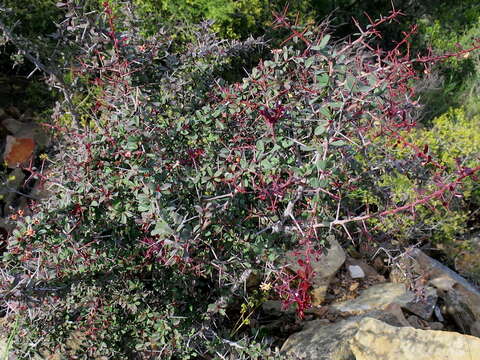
<point>435,325</point>
<point>423,307</point>
<point>18,151</point>
<point>369,271</point>
<point>356,272</point>
<point>354,286</point>
<point>417,323</point>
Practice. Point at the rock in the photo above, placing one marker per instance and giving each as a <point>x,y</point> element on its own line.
<point>418,323</point>
<point>13,126</point>
<point>18,151</point>
<point>320,341</point>
<point>356,272</point>
<point>376,297</point>
<point>475,328</point>
<point>396,311</point>
<point>423,307</point>
<point>368,270</point>
<point>435,325</point>
<point>455,291</point>
<point>459,312</point>
<point>20,129</point>
<point>325,267</point>
<point>376,340</point>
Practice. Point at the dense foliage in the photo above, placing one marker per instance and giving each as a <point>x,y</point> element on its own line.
<point>175,190</point>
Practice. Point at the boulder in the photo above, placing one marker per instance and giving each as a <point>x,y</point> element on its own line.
<point>377,336</point>
<point>320,341</point>
<point>376,340</point>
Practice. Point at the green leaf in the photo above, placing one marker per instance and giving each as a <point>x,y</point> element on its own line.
<point>309,61</point>
<point>350,83</point>
<point>319,130</point>
<point>321,165</point>
<point>322,44</point>
<point>161,228</point>
<point>322,80</point>
<point>260,145</point>
<point>337,104</point>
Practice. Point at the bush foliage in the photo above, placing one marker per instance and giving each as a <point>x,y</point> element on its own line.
<point>172,187</point>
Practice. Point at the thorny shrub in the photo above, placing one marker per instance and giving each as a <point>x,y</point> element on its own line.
<point>170,187</point>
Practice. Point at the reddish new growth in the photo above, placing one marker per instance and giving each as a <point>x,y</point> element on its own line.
<point>295,288</point>
<point>192,157</point>
<point>271,116</point>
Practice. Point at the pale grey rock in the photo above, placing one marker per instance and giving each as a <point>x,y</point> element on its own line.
<point>378,336</point>
<point>356,272</point>
<point>376,297</point>
<point>376,340</point>
<point>320,341</point>
<point>13,126</point>
<point>369,271</point>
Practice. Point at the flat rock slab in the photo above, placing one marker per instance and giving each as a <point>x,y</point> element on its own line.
<point>376,340</point>
<point>320,341</point>
<point>372,337</point>
<point>376,297</point>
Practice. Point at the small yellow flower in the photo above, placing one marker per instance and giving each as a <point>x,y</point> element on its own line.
<point>43,156</point>
<point>265,286</point>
